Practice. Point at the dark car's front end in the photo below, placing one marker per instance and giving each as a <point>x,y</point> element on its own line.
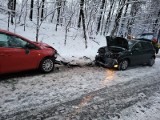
<point>110,55</point>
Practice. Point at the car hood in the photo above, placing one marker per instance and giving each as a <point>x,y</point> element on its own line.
<point>117,42</point>
<point>43,45</point>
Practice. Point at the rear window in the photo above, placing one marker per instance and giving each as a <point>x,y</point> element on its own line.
<point>147,45</point>
<point>146,36</point>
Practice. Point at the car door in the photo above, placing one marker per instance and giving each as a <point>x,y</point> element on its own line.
<point>14,56</point>
<point>137,54</point>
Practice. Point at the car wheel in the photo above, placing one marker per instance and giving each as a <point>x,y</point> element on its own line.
<point>123,65</point>
<point>47,65</point>
<point>151,61</point>
<point>97,64</point>
<point>97,60</point>
<point>157,50</point>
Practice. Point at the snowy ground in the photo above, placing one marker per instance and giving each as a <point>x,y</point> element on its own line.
<point>38,92</point>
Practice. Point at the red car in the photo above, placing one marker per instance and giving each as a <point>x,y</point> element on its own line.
<point>18,54</point>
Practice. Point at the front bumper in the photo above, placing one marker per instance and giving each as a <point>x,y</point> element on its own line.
<point>107,62</point>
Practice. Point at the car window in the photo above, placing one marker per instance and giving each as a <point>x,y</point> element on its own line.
<point>131,43</point>
<point>16,42</point>
<point>137,46</point>
<point>147,45</point>
<point>3,40</point>
<point>146,36</point>
<point>11,41</point>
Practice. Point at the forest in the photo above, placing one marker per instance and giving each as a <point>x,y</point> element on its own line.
<point>92,17</point>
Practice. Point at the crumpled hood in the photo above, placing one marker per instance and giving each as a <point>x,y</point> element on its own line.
<point>117,42</point>
<point>43,45</point>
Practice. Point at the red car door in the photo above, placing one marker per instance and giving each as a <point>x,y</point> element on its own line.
<point>13,57</point>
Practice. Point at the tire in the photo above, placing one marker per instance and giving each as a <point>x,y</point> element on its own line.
<point>96,61</point>
<point>46,65</point>
<point>123,65</point>
<point>157,50</point>
<point>151,61</point>
<point>97,64</point>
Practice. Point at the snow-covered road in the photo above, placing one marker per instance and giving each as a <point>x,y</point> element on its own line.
<point>82,89</point>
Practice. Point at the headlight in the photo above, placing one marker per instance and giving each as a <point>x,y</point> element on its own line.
<point>115,66</point>
<point>56,55</point>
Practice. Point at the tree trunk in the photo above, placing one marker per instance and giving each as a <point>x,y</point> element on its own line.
<point>59,2</point>
<point>108,18</point>
<point>67,29</point>
<point>31,10</point>
<point>155,25</point>
<point>12,7</point>
<point>22,7</point>
<point>100,16</point>
<point>9,15</point>
<point>53,13</point>
<point>133,13</point>
<point>79,19</point>
<point>25,17</point>
<point>103,20</point>
<point>42,10</point>
<point>82,19</point>
<point>118,17</point>
<point>38,16</point>
<point>121,31</point>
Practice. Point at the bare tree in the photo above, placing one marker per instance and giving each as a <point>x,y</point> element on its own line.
<point>42,10</point>
<point>22,10</point>
<point>122,26</point>
<point>67,28</point>
<point>12,7</point>
<point>122,3</point>
<point>108,20</point>
<point>100,16</point>
<point>82,20</point>
<point>156,23</point>
<point>59,3</point>
<point>134,10</point>
<point>31,10</point>
<point>25,17</point>
<point>38,21</point>
<point>155,12</point>
<point>53,14</point>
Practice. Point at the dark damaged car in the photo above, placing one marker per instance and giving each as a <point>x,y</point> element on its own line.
<point>121,53</point>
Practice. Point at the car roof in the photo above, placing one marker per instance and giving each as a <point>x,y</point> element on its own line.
<point>14,34</point>
<point>5,31</point>
<point>147,33</point>
<point>8,32</point>
<point>140,40</point>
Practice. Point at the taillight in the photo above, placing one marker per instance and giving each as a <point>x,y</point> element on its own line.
<point>154,40</point>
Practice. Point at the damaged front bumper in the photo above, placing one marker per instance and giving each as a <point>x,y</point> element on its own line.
<point>106,62</point>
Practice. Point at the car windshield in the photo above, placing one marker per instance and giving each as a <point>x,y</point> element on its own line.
<point>131,43</point>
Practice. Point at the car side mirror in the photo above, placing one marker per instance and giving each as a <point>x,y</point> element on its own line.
<point>30,46</point>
